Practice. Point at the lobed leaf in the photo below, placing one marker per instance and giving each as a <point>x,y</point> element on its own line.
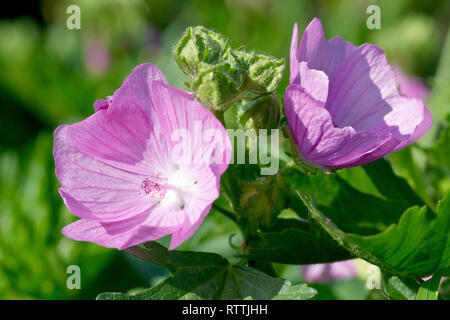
<point>417,246</point>
<point>199,275</point>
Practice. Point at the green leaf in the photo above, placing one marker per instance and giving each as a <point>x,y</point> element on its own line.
<point>390,185</point>
<point>305,242</point>
<point>404,163</point>
<point>439,153</point>
<point>367,213</point>
<point>417,246</point>
<point>292,241</point>
<point>198,275</point>
<point>398,289</point>
<point>437,165</point>
<point>444,290</point>
<point>354,211</point>
<point>429,290</point>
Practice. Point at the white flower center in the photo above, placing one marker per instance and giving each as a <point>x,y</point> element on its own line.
<point>171,191</point>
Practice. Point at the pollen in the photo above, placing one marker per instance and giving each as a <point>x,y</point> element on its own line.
<point>154,186</point>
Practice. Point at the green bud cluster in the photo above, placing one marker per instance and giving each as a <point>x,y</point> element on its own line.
<point>220,76</point>
<point>263,73</point>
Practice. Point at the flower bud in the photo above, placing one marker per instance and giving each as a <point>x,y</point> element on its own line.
<point>262,200</point>
<point>218,85</point>
<point>264,72</point>
<point>262,113</point>
<point>220,76</point>
<point>198,45</point>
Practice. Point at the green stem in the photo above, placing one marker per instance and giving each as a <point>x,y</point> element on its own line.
<point>225,212</point>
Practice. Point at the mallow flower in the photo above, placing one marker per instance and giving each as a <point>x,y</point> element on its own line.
<point>411,86</point>
<point>343,103</point>
<point>326,272</point>
<point>145,165</point>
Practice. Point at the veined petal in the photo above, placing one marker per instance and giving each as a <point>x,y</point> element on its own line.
<point>121,138</point>
<point>314,82</point>
<point>406,115</point>
<point>317,139</point>
<point>359,87</point>
<point>188,229</point>
<point>385,147</point>
<point>92,189</point>
<point>363,94</point>
<point>198,201</point>
<point>137,87</point>
<point>193,134</point>
<point>126,135</point>
<point>294,62</point>
<point>303,112</point>
<point>422,128</point>
<point>120,235</point>
<point>322,54</point>
<point>163,219</point>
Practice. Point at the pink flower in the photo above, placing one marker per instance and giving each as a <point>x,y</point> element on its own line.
<point>410,86</point>
<point>326,272</point>
<point>343,104</point>
<point>96,57</point>
<point>124,173</point>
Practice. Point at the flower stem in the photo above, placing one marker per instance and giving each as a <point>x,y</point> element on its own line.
<point>225,212</point>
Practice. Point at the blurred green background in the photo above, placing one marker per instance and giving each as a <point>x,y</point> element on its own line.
<point>50,75</point>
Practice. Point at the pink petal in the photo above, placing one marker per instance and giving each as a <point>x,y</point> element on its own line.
<point>406,116</point>
<point>166,218</point>
<point>326,272</point>
<point>120,235</point>
<point>125,135</point>
<point>198,204</point>
<point>187,230</point>
<point>410,86</point>
<point>359,87</point>
<point>322,54</point>
<point>92,189</point>
<point>294,63</point>
<point>422,128</point>
<point>208,136</point>
<point>317,139</point>
<point>386,146</point>
<point>101,104</point>
<point>314,82</point>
